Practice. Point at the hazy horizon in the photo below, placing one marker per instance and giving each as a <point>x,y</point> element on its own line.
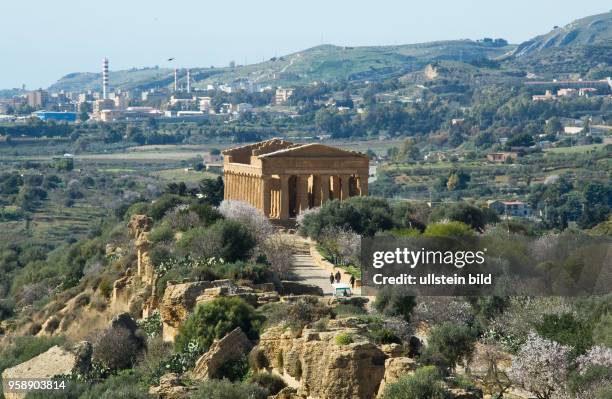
<point>43,42</point>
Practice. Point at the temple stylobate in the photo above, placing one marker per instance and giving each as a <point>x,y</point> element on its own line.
<point>284,179</point>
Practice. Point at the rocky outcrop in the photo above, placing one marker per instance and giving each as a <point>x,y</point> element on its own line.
<point>139,224</point>
<point>396,367</point>
<point>232,347</point>
<point>178,301</point>
<point>56,361</point>
<point>170,387</point>
<point>324,368</point>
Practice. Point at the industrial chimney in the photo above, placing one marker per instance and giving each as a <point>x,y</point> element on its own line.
<point>175,80</point>
<point>105,78</point>
<point>188,81</point>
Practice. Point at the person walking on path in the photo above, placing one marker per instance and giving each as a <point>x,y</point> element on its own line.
<point>352,281</point>
<point>338,276</point>
<point>331,278</point>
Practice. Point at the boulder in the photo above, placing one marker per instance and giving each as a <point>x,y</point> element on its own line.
<point>170,387</point>
<point>287,393</point>
<point>396,367</point>
<point>178,301</point>
<point>323,368</point>
<point>55,361</point>
<point>231,347</point>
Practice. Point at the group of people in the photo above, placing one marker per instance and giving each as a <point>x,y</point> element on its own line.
<point>335,278</point>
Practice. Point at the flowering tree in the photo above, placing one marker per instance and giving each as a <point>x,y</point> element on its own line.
<point>594,378</point>
<point>541,366</point>
<point>251,217</point>
<point>343,245</point>
<point>278,249</point>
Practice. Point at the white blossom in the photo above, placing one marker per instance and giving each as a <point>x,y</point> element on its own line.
<point>541,367</point>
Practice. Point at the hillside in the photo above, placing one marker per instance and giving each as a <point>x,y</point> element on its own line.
<point>589,31</point>
<point>582,48</point>
<point>322,63</point>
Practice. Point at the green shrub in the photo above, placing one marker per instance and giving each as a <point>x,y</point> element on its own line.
<point>163,204</point>
<point>448,344</point>
<point>125,384</point>
<point>161,234</point>
<point>224,389</point>
<point>425,383</point>
<point>395,302</point>
<point>305,311</point>
<point>152,325</point>
<point>138,208</point>
<point>348,310</point>
<point>270,382</point>
<point>233,370</point>
<point>566,330</point>
<point>255,272</point>
<point>207,214</point>
<point>213,320</point>
<point>602,332</point>
<point>344,339</point>
<point>465,213</point>
<point>363,215</point>
<point>226,239</point>
<point>159,255</point>
<point>450,229</point>
<point>383,336</point>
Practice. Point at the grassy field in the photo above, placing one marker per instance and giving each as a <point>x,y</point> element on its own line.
<point>181,175</point>
<point>579,149</point>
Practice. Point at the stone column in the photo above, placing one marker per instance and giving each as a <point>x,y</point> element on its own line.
<point>266,195</point>
<point>284,197</point>
<point>316,190</point>
<point>251,190</point>
<point>363,185</point>
<point>335,183</point>
<point>344,189</point>
<point>302,193</point>
<point>324,188</point>
<point>226,179</point>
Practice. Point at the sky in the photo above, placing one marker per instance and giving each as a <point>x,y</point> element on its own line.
<point>42,40</point>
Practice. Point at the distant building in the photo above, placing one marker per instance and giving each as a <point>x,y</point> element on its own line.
<point>10,104</point>
<point>573,129</point>
<point>37,98</point>
<point>56,116</point>
<point>568,92</point>
<point>587,91</point>
<point>205,104</point>
<point>502,157</point>
<point>510,208</point>
<point>282,95</point>
<point>243,107</point>
<point>546,97</point>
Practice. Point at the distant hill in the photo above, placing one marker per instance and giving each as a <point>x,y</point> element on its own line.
<point>582,48</point>
<point>589,31</point>
<point>321,63</point>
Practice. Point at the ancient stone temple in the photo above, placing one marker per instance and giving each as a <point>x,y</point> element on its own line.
<point>284,179</point>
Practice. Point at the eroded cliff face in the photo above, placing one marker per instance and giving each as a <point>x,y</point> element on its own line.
<point>316,366</point>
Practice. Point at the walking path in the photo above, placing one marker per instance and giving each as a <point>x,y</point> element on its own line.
<point>310,271</point>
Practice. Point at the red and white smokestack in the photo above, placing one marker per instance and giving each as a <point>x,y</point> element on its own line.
<point>105,78</point>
